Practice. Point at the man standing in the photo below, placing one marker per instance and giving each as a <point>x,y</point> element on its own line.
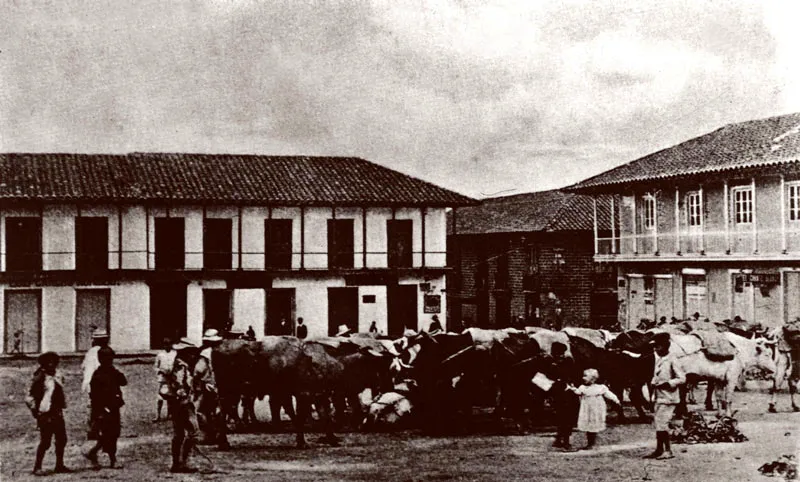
<point>564,373</point>
<point>181,406</point>
<point>209,412</point>
<point>435,326</point>
<point>107,401</point>
<point>164,361</point>
<point>667,378</point>
<point>302,330</point>
<point>90,363</point>
<point>47,402</point>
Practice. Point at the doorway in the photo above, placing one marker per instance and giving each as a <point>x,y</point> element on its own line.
<point>91,312</point>
<point>342,309</point>
<point>23,330</point>
<point>280,312</point>
<point>401,306</point>
<point>217,310</point>
<point>167,312</point>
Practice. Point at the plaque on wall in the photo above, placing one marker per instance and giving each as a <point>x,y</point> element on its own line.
<point>433,304</point>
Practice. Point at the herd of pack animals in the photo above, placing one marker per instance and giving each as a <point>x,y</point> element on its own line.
<point>433,380</point>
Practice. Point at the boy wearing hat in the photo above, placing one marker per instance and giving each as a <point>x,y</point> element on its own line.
<point>668,376</point>
<point>564,372</point>
<point>106,395</point>
<point>181,406</point>
<point>46,401</point>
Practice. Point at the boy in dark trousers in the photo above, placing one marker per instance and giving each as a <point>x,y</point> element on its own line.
<point>564,372</point>
<point>106,397</point>
<point>46,401</point>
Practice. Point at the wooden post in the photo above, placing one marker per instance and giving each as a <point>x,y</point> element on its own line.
<point>147,235</point>
<point>363,237</point>
<point>635,238</point>
<point>783,217</point>
<point>119,237</point>
<point>302,237</point>
<point>594,225</point>
<point>726,216</point>
<point>424,212</point>
<point>755,219</point>
<point>655,228</point>
<point>702,222</point>
<point>613,228</point>
<point>677,220</point>
<point>239,241</point>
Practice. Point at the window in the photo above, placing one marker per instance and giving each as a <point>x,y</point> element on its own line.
<point>23,244</point>
<point>399,233</point>
<point>501,273</point>
<point>533,259</point>
<point>91,243</point>
<point>649,211</point>
<point>694,209</point>
<point>743,205</point>
<point>340,243</point>
<point>278,243</point>
<point>794,202</point>
<point>170,243</point>
<point>217,243</point>
<point>558,259</point>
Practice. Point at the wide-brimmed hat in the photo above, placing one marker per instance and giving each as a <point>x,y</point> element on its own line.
<point>408,333</point>
<point>99,333</point>
<point>184,343</point>
<point>211,335</point>
<point>343,330</point>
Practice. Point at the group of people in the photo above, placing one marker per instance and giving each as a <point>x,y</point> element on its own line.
<point>47,401</point>
<point>586,404</point>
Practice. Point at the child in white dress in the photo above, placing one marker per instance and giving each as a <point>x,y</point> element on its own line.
<point>592,414</point>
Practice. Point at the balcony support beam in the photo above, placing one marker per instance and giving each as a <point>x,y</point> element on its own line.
<point>364,237</point>
<point>783,216</point>
<point>755,219</point>
<point>677,220</point>
<point>594,219</point>
<point>613,228</point>
<point>635,216</point>
<point>702,221</point>
<point>726,216</point>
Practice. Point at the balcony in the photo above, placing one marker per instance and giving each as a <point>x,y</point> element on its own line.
<point>739,243</point>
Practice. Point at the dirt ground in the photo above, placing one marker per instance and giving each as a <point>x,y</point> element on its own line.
<point>407,455</point>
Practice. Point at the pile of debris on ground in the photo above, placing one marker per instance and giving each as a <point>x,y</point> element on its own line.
<point>697,429</point>
<point>785,467</point>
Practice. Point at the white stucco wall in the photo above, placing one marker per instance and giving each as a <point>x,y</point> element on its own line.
<point>134,238</point>
<point>58,237</point>
<point>249,309</point>
<point>130,316</point>
<point>369,312</point>
<point>58,318</point>
<point>437,285</point>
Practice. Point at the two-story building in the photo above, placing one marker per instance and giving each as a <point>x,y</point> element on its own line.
<point>709,226</point>
<point>166,245</point>
<point>529,255</point>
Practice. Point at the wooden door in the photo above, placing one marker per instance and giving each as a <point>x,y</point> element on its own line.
<point>402,309</point>
<point>23,330</point>
<point>92,307</point>
<point>342,308</point>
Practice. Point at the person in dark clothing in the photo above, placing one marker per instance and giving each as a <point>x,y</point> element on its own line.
<point>302,330</point>
<point>106,397</point>
<point>564,373</point>
<point>47,403</point>
<point>250,334</point>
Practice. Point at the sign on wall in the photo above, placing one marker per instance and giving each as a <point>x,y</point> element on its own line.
<point>432,304</point>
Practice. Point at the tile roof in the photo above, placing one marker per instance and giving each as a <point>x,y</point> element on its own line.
<point>543,211</point>
<point>764,142</point>
<point>172,177</point>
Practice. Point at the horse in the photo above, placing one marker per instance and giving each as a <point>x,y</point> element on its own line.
<point>724,375</point>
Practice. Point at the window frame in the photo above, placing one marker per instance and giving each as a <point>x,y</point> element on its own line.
<point>736,204</point>
<point>693,203</point>
<point>649,212</point>
<point>793,212</point>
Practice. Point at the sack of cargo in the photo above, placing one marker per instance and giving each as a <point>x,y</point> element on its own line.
<point>716,345</point>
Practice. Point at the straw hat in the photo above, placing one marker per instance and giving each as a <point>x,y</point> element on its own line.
<point>343,330</point>
<point>211,335</point>
<point>184,343</point>
<point>99,333</point>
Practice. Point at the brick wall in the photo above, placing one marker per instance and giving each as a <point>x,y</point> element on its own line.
<point>564,266</point>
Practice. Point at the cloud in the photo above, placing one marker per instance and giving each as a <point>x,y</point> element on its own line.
<point>473,95</point>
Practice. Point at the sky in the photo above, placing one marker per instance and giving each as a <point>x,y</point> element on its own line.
<point>483,97</point>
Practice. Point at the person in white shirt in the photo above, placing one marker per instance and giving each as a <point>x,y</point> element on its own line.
<point>165,359</point>
<point>90,364</point>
